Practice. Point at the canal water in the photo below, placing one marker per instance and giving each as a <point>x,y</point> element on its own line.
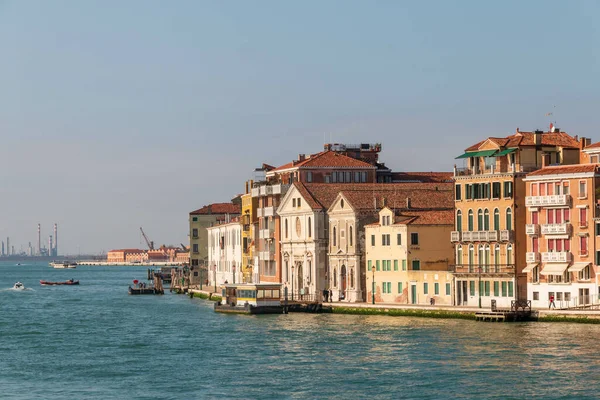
<point>96,341</point>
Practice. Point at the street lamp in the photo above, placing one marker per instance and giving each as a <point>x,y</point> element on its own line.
<point>373,286</point>
<point>292,282</point>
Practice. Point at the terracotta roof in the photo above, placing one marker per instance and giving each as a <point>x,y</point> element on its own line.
<point>561,139</point>
<point>434,217</point>
<point>320,195</point>
<point>593,146</point>
<point>420,198</point>
<point>326,159</point>
<point>128,250</point>
<point>566,169</point>
<point>218,208</point>
<point>398,177</point>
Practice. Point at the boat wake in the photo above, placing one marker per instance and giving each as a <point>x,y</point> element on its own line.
<point>12,289</point>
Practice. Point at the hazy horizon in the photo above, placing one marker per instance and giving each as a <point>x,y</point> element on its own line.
<point>117,115</point>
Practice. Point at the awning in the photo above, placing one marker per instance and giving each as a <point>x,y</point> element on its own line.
<point>578,266</point>
<point>530,267</point>
<point>554,269</point>
<point>482,153</point>
<point>505,152</point>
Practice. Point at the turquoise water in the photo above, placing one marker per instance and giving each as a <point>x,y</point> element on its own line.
<point>95,341</point>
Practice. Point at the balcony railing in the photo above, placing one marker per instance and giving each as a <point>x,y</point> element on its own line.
<point>455,236</point>
<point>268,211</point>
<point>482,269</point>
<point>479,236</point>
<point>506,235</point>
<point>556,256</point>
<point>552,200</point>
<point>532,229</point>
<point>556,229</point>
<point>532,257</point>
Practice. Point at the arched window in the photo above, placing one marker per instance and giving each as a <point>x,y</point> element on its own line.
<point>459,220</point>
<point>496,219</point>
<point>459,255</point>
<point>352,277</point>
<point>334,278</point>
<point>470,221</point>
<point>480,255</point>
<point>486,220</point>
<point>508,219</point>
<point>509,256</point>
<point>309,227</point>
<point>497,255</point>
<point>334,237</point>
<point>487,258</point>
<point>480,220</point>
<point>286,228</point>
<point>350,234</point>
<point>471,255</point>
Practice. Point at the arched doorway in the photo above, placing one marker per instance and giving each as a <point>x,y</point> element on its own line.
<point>343,283</point>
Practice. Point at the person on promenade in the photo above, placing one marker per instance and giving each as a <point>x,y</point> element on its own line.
<point>325,295</point>
<point>551,305</point>
<point>330,296</point>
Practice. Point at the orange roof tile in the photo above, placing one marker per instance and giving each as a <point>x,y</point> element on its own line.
<point>560,139</point>
<point>326,159</point>
<point>218,208</point>
<point>566,169</point>
<point>593,146</point>
<point>128,250</point>
<point>430,177</point>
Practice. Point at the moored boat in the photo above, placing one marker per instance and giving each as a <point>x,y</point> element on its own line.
<point>63,264</point>
<point>49,283</point>
<point>251,298</point>
<point>18,286</point>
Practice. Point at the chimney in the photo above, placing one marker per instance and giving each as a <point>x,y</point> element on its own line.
<point>375,202</point>
<point>301,157</point>
<point>538,137</point>
<point>545,157</point>
<point>408,203</point>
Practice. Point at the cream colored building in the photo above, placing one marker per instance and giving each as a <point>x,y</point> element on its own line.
<point>225,253</point>
<point>408,257</point>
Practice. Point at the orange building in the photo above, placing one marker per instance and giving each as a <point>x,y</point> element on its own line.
<point>126,255</point>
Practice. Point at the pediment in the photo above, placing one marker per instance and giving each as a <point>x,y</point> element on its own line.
<point>489,145</point>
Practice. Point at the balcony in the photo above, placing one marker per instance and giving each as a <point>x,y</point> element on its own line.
<point>506,235</point>
<point>246,227</point>
<point>557,256</point>
<point>556,229</point>
<point>552,200</point>
<point>265,255</point>
<point>255,192</point>
<point>532,257</point>
<point>479,236</point>
<point>490,269</point>
<point>532,229</point>
<point>268,211</point>
<point>266,233</point>
<point>455,236</point>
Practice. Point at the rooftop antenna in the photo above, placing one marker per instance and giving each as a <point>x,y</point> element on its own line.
<point>553,116</point>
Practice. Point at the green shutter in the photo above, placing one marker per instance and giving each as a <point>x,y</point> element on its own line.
<point>377,265</point>
<point>472,287</point>
<point>399,287</point>
<point>436,288</point>
<point>503,289</point>
<point>369,265</point>
<point>487,288</point>
<point>395,265</point>
<point>447,289</point>
<point>403,265</point>
<point>510,289</point>
<point>496,288</point>
<point>425,288</point>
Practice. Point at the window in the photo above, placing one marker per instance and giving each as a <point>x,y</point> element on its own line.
<point>335,236</point>
<point>583,217</point>
<point>582,189</point>
<point>309,176</point>
<point>414,239</point>
<point>395,265</point>
<point>357,177</point>
<point>425,288</point>
<point>486,286</point>
<point>509,257</point>
<point>195,219</point>
<point>436,288</point>
<point>416,265</point>
<point>447,289</point>
<point>403,265</point>
<point>459,220</point>
<point>583,248</point>
<point>310,228</point>
<point>286,228</point>
<point>480,220</point>
<point>350,234</point>
<point>385,239</point>
<point>496,190</point>
<point>468,192</point>
<point>470,221</point>
<point>496,219</point>
<point>363,177</point>
<point>472,288</point>
<point>399,239</point>
<point>299,202</point>
<point>399,287</point>
<point>459,255</point>
<point>508,189</point>
<point>597,229</point>
<point>195,247</point>
<point>536,295</point>
<point>503,289</point>
<point>567,296</point>
<point>510,289</point>
<point>471,255</point>
<point>458,192</point>
<point>369,265</point>
<point>372,240</point>
<point>195,232</point>
<point>294,202</point>
<point>377,266</point>
<point>348,177</point>
<point>509,219</point>
<point>334,177</point>
<point>486,220</point>
<point>496,288</point>
<point>597,257</point>
<point>584,274</point>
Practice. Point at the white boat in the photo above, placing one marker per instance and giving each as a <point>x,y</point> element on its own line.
<point>19,286</point>
<point>63,265</point>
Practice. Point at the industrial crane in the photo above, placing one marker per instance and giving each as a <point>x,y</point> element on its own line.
<point>148,241</point>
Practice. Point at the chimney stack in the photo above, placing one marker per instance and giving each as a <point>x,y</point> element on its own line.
<point>408,202</point>
<point>538,137</point>
<point>55,250</point>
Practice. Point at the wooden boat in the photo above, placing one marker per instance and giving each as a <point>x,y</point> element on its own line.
<point>49,283</point>
<point>145,290</point>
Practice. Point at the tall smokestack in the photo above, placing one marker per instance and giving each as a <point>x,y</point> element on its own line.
<point>55,251</point>
<point>39,240</point>
<point>8,246</point>
<point>50,245</point>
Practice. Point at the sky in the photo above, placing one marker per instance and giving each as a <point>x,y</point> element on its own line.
<point>116,115</point>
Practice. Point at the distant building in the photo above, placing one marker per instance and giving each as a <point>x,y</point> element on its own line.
<point>126,255</point>
<point>225,252</point>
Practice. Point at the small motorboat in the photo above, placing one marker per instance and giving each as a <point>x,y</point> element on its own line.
<point>50,283</point>
<point>19,286</point>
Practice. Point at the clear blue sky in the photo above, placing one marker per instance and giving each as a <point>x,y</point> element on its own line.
<point>115,115</point>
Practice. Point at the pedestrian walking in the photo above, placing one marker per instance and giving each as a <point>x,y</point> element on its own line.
<point>551,305</point>
<point>330,296</point>
<point>325,295</point>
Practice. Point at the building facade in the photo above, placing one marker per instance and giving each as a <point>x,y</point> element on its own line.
<point>490,244</point>
<point>562,214</point>
<point>225,253</point>
<point>408,257</point>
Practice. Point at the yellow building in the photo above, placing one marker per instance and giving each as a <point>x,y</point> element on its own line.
<point>408,257</point>
<point>490,213</point>
<point>249,220</point>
